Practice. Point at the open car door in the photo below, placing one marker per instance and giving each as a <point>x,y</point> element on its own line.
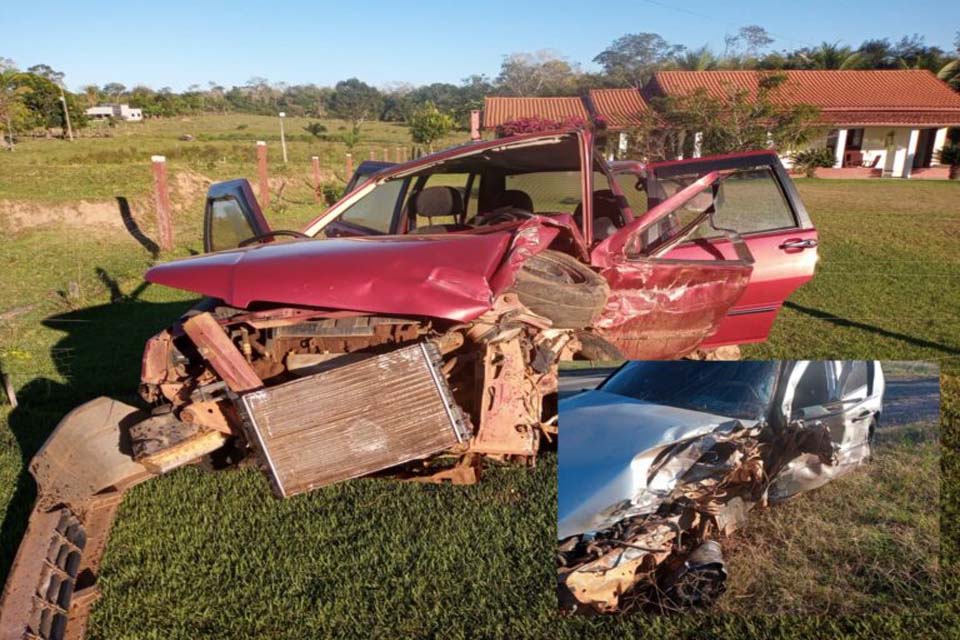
<point>231,216</point>
<point>662,306</point>
<point>762,205</point>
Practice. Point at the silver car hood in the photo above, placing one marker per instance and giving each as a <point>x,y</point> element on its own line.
<point>609,442</point>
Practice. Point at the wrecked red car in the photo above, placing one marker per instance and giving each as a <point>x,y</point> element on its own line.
<point>415,326</point>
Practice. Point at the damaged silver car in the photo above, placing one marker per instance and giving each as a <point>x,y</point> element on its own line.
<point>664,459</point>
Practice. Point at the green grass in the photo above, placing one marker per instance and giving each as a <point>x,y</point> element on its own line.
<point>213,555</point>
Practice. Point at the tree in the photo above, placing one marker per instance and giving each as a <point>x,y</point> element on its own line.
<point>114,90</point>
<point>48,72</point>
<point>13,110</point>
<point>632,58</point>
<point>43,102</point>
<point>701,59</point>
<point>538,73</point>
<point>428,124</point>
<point>354,101</point>
<point>734,121</point>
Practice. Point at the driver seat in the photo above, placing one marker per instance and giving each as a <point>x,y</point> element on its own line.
<point>437,202</point>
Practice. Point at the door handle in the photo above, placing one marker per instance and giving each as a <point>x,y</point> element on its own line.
<point>809,243</point>
<point>863,415</point>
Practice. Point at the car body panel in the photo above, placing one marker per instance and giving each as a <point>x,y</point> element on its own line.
<point>436,276</point>
<point>608,445</point>
<point>785,259</point>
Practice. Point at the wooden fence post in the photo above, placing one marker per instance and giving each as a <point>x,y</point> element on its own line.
<point>475,124</point>
<point>262,171</point>
<point>386,154</point>
<point>161,197</point>
<point>349,167</point>
<point>373,154</point>
<point>315,161</point>
<point>399,157</point>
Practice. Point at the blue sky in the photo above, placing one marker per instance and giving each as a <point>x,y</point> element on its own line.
<point>177,42</point>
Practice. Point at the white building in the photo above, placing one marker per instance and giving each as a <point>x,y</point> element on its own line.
<point>119,111</point>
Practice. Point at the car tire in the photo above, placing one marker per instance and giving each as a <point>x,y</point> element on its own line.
<point>559,287</point>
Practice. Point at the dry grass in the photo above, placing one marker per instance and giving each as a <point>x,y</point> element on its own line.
<point>866,541</point>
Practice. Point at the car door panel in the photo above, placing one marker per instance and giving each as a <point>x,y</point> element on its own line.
<point>785,257</point>
<point>776,275</point>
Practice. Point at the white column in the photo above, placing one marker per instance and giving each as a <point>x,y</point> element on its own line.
<point>622,144</point>
<point>939,141</point>
<point>911,153</point>
<point>698,144</point>
<point>841,148</point>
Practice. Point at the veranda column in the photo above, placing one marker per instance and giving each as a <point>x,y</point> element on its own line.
<point>841,148</point>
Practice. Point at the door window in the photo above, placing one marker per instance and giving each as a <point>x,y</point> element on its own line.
<point>375,210</point>
<point>854,379</point>
<point>814,387</point>
<point>228,225</point>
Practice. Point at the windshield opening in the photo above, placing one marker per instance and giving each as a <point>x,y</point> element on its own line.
<point>734,389</point>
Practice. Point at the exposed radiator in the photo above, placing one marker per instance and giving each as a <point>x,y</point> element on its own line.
<point>353,420</point>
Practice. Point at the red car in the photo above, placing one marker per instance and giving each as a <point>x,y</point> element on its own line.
<point>416,326</point>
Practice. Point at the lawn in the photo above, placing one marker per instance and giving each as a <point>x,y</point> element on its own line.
<point>213,555</point>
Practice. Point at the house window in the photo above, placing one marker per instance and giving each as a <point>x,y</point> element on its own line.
<point>855,139</point>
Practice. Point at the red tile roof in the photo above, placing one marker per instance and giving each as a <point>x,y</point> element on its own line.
<point>497,110</point>
<point>621,108</point>
<point>896,97</point>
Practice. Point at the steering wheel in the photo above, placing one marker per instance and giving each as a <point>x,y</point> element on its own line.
<point>502,216</point>
<point>743,385</point>
<point>270,234</point>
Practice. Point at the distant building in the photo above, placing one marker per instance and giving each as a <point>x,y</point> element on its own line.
<point>876,123</point>
<point>119,111</point>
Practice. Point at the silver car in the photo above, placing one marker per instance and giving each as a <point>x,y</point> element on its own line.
<point>664,458</point>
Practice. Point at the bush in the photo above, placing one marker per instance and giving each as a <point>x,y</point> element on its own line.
<point>427,124</point>
<point>950,156</point>
<point>331,192</point>
<point>809,160</point>
<point>317,130</point>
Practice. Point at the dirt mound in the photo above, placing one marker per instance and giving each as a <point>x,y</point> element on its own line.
<point>187,189</point>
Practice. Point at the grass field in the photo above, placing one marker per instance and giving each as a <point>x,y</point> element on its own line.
<point>212,555</point>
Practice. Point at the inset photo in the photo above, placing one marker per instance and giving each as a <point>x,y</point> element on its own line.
<point>781,487</point>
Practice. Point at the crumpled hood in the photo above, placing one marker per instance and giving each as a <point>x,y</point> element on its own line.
<point>436,276</point>
<point>608,444</point>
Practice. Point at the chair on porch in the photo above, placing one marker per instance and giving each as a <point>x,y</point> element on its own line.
<point>873,163</point>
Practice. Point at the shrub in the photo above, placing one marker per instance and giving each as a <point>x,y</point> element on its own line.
<point>809,160</point>
<point>427,124</point>
<point>316,129</point>
<point>950,155</point>
<point>331,192</point>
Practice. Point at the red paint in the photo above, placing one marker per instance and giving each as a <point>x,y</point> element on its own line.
<point>446,276</point>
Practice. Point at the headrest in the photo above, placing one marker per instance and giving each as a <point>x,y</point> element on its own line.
<point>515,199</point>
<point>436,202</point>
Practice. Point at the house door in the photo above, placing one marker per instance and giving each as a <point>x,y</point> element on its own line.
<point>924,153</point>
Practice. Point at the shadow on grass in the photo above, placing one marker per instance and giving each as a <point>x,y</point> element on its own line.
<point>98,355</point>
<point>134,229</point>
<point>836,320</point>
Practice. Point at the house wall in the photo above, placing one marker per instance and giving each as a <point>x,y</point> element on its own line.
<point>890,144</point>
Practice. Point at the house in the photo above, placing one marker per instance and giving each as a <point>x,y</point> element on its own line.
<point>876,123</point>
<point>119,111</point>
<point>890,123</point>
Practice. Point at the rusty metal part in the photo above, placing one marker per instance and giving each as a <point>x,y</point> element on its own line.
<point>217,415</point>
<point>353,420</point>
<point>215,347</point>
<point>509,403</point>
<point>82,473</point>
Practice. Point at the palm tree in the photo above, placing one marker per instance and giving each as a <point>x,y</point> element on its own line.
<point>950,73</point>
<point>702,59</point>
<point>833,56</point>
